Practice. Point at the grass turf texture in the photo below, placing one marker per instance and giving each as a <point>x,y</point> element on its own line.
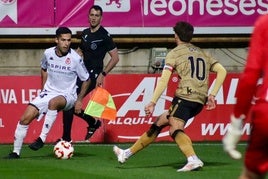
<point>98,161</point>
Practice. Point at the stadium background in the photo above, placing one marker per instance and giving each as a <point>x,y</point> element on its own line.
<point>139,28</point>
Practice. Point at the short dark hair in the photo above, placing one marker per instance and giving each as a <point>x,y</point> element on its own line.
<point>97,8</point>
<point>184,30</point>
<point>63,30</point>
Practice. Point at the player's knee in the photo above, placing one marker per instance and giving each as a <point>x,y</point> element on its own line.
<point>174,134</point>
<point>52,104</point>
<point>154,129</point>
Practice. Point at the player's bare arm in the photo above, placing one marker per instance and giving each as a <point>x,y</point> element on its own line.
<point>110,65</point>
<point>113,61</point>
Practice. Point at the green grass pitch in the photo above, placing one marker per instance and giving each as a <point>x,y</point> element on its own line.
<point>159,160</point>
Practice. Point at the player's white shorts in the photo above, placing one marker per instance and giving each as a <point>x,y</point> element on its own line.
<point>41,101</point>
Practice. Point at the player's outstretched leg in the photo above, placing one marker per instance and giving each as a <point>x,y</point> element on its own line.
<point>185,144</point>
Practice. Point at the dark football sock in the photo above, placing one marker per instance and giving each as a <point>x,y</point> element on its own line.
<point>67,124</point>
<point>89,119</point>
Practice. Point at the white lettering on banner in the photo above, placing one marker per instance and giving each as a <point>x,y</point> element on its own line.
<point>32,93</point>
<point>8,96</point>
<point>1,123</point>
<point>131,121</point>
<point>212,7</point>
<point>210,129</point>
<point>230,95</point>
<point>141,96</point>
<point>231,99</point>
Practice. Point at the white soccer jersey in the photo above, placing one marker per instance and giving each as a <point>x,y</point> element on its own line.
<point>63,71</point>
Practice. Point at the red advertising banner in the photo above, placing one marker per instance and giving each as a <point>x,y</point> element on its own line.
<point>131,92</point>
<point>131,14</point>
<point>15,93</point>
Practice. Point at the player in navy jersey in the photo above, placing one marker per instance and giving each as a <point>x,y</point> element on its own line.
<point>60,68</point>
<point>253,84</point>
<point>95,43</point>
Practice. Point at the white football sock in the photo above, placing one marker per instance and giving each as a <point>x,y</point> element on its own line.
<point>48,123</point>
<point>192,158</point>
<point>20,133</point>
<point>128,153</point>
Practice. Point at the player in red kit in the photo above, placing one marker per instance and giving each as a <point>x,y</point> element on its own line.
<point>249,89</point>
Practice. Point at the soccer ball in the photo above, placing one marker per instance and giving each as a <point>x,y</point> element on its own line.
<point>63,150</point>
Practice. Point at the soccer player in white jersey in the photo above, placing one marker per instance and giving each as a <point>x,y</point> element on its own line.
<point>60,67</point>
